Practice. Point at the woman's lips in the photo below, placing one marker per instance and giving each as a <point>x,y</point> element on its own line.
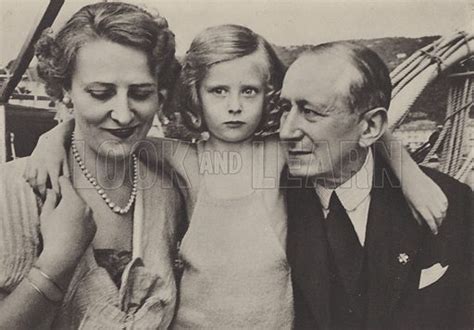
<point>122,133</point>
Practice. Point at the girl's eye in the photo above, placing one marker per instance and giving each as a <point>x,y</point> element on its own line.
<point>250,91</point>
<point>101,95</point>
<point>218,91</point>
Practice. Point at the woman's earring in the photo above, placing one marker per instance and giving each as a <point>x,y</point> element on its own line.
<point>66,100</point>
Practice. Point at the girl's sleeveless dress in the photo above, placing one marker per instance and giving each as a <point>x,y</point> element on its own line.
<point>235,273</point>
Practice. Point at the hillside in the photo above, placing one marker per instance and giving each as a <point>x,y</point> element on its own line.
<point>392,50</point>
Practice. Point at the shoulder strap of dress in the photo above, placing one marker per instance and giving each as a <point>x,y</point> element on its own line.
<point>200,147</point>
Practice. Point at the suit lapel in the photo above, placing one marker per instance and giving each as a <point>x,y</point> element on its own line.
<point>393,239</point>
<point>307,251</point>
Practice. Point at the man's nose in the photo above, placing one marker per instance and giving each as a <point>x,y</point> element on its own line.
<point>289,130</point>
<point>122,111</point>
<point>234,105</point>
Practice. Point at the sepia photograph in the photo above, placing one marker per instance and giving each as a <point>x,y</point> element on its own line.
<point>236,164</point>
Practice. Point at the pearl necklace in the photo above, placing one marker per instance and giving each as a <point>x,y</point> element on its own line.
<point>93,181</point>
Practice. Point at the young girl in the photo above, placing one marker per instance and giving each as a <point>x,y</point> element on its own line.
<point>235,273</point>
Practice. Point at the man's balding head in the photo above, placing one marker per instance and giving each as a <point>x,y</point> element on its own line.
<point>369,84</point>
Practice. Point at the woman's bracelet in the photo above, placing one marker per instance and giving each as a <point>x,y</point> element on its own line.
<point>41,293</point>
<point>43,283</point>
<point>46,276</point>
<point>30,282</point>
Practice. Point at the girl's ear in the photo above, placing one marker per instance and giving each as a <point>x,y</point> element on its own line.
<point>375,124</point>
<point>195,120</point>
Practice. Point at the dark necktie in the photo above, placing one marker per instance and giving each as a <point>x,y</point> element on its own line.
<point>348,254</point>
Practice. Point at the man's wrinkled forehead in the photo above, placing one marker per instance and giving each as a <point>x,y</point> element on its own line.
<point>312,75</point>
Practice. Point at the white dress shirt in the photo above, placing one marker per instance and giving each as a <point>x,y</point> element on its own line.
<point>354,195</point>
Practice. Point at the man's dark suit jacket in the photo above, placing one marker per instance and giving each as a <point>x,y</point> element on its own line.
<point>394,298</point>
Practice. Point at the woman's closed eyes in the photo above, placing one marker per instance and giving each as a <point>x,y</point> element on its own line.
<point>138,93</point>
<point>141,93</point>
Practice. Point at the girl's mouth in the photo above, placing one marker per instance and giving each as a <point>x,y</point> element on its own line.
<point>234,123</point>
<point>122,133</point>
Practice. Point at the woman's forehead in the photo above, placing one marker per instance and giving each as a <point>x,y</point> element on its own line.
<point>103,60</point>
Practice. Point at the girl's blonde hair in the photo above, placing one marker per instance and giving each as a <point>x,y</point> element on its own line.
<point>220,44</point>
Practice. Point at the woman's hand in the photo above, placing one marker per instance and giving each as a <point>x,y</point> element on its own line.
<point>67,229</point>
<point>427,201</point>
<point>49,159</point>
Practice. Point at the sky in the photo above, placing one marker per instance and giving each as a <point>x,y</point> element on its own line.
<point>289,22</point>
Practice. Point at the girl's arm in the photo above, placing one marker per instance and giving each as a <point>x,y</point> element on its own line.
<point>49,158</point>
<point>174,155</point>
<point>168,152</point>
<point>425,197</point>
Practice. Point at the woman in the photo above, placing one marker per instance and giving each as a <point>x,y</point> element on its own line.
<point>102,257</point>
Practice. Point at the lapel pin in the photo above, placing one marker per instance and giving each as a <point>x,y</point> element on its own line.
<point>403,258</point>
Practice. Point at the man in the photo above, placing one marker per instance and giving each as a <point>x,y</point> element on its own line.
<point>359,260</point>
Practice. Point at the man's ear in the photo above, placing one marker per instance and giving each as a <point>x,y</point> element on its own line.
<point>375,124</point>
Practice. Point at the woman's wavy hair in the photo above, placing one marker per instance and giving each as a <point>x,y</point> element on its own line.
<point>122,23</point>
<point>220,44</point>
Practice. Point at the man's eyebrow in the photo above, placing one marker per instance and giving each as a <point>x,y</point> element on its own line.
<point>301,103</point>
<point>321,108</point>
